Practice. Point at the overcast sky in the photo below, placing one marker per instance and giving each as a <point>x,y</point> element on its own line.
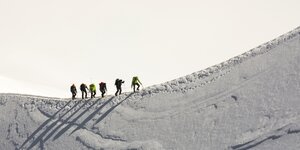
<point>59,42</point>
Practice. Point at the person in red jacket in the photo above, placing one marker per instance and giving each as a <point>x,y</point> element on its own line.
<point>83,89</point>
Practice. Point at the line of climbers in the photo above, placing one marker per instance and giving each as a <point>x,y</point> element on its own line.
<point>102,86</point>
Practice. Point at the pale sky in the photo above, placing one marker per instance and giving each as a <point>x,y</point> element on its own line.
<point>59,42</point>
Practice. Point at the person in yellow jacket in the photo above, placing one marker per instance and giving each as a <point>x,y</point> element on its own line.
<point>135,82</point>
<point>93,90</point>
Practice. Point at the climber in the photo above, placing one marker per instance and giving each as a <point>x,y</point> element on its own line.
<point>93,90</point>
<point>118,84</point>
<point>74,91</point>
<point>102,87</point>
<point>135,82</point>
<point>83,89</point>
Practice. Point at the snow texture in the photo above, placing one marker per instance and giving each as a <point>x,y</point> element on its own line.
<point>248,102</point>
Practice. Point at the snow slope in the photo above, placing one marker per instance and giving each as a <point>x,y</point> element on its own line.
<point>248,102</point>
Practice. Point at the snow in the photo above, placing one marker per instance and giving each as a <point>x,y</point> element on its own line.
<point>248,102</point>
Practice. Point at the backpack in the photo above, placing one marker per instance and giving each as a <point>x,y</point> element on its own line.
<point>92,87</point>
<point>102,85</point>
<point>73,88</point>
<point>82,87</point>
<point>135,80</point>
<point>117,81</point>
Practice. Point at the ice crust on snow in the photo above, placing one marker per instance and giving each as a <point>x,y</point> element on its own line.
<point>248,102</point>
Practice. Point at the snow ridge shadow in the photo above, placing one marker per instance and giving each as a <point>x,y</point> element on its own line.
<point>48,127</point>
<point>73,122</point>
<point>111,109</point>
<point>31,137</point>
<point>64,119</point>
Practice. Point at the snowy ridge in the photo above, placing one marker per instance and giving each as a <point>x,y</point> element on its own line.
<point>251,104</point>
<point>211,74</point>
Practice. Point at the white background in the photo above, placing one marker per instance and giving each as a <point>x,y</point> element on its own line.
<point>48,45</point>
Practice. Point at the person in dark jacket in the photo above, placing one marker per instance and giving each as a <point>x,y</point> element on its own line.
<point>73,91</point>
<point>102,88</point>
<point>83,89</point>
<point>118,84</point>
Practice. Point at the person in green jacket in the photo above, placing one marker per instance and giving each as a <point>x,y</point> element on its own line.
<point>135,82</point>
<point>93,90</point>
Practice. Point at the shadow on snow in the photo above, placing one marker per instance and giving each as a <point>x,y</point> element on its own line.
<point>56,127</point>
